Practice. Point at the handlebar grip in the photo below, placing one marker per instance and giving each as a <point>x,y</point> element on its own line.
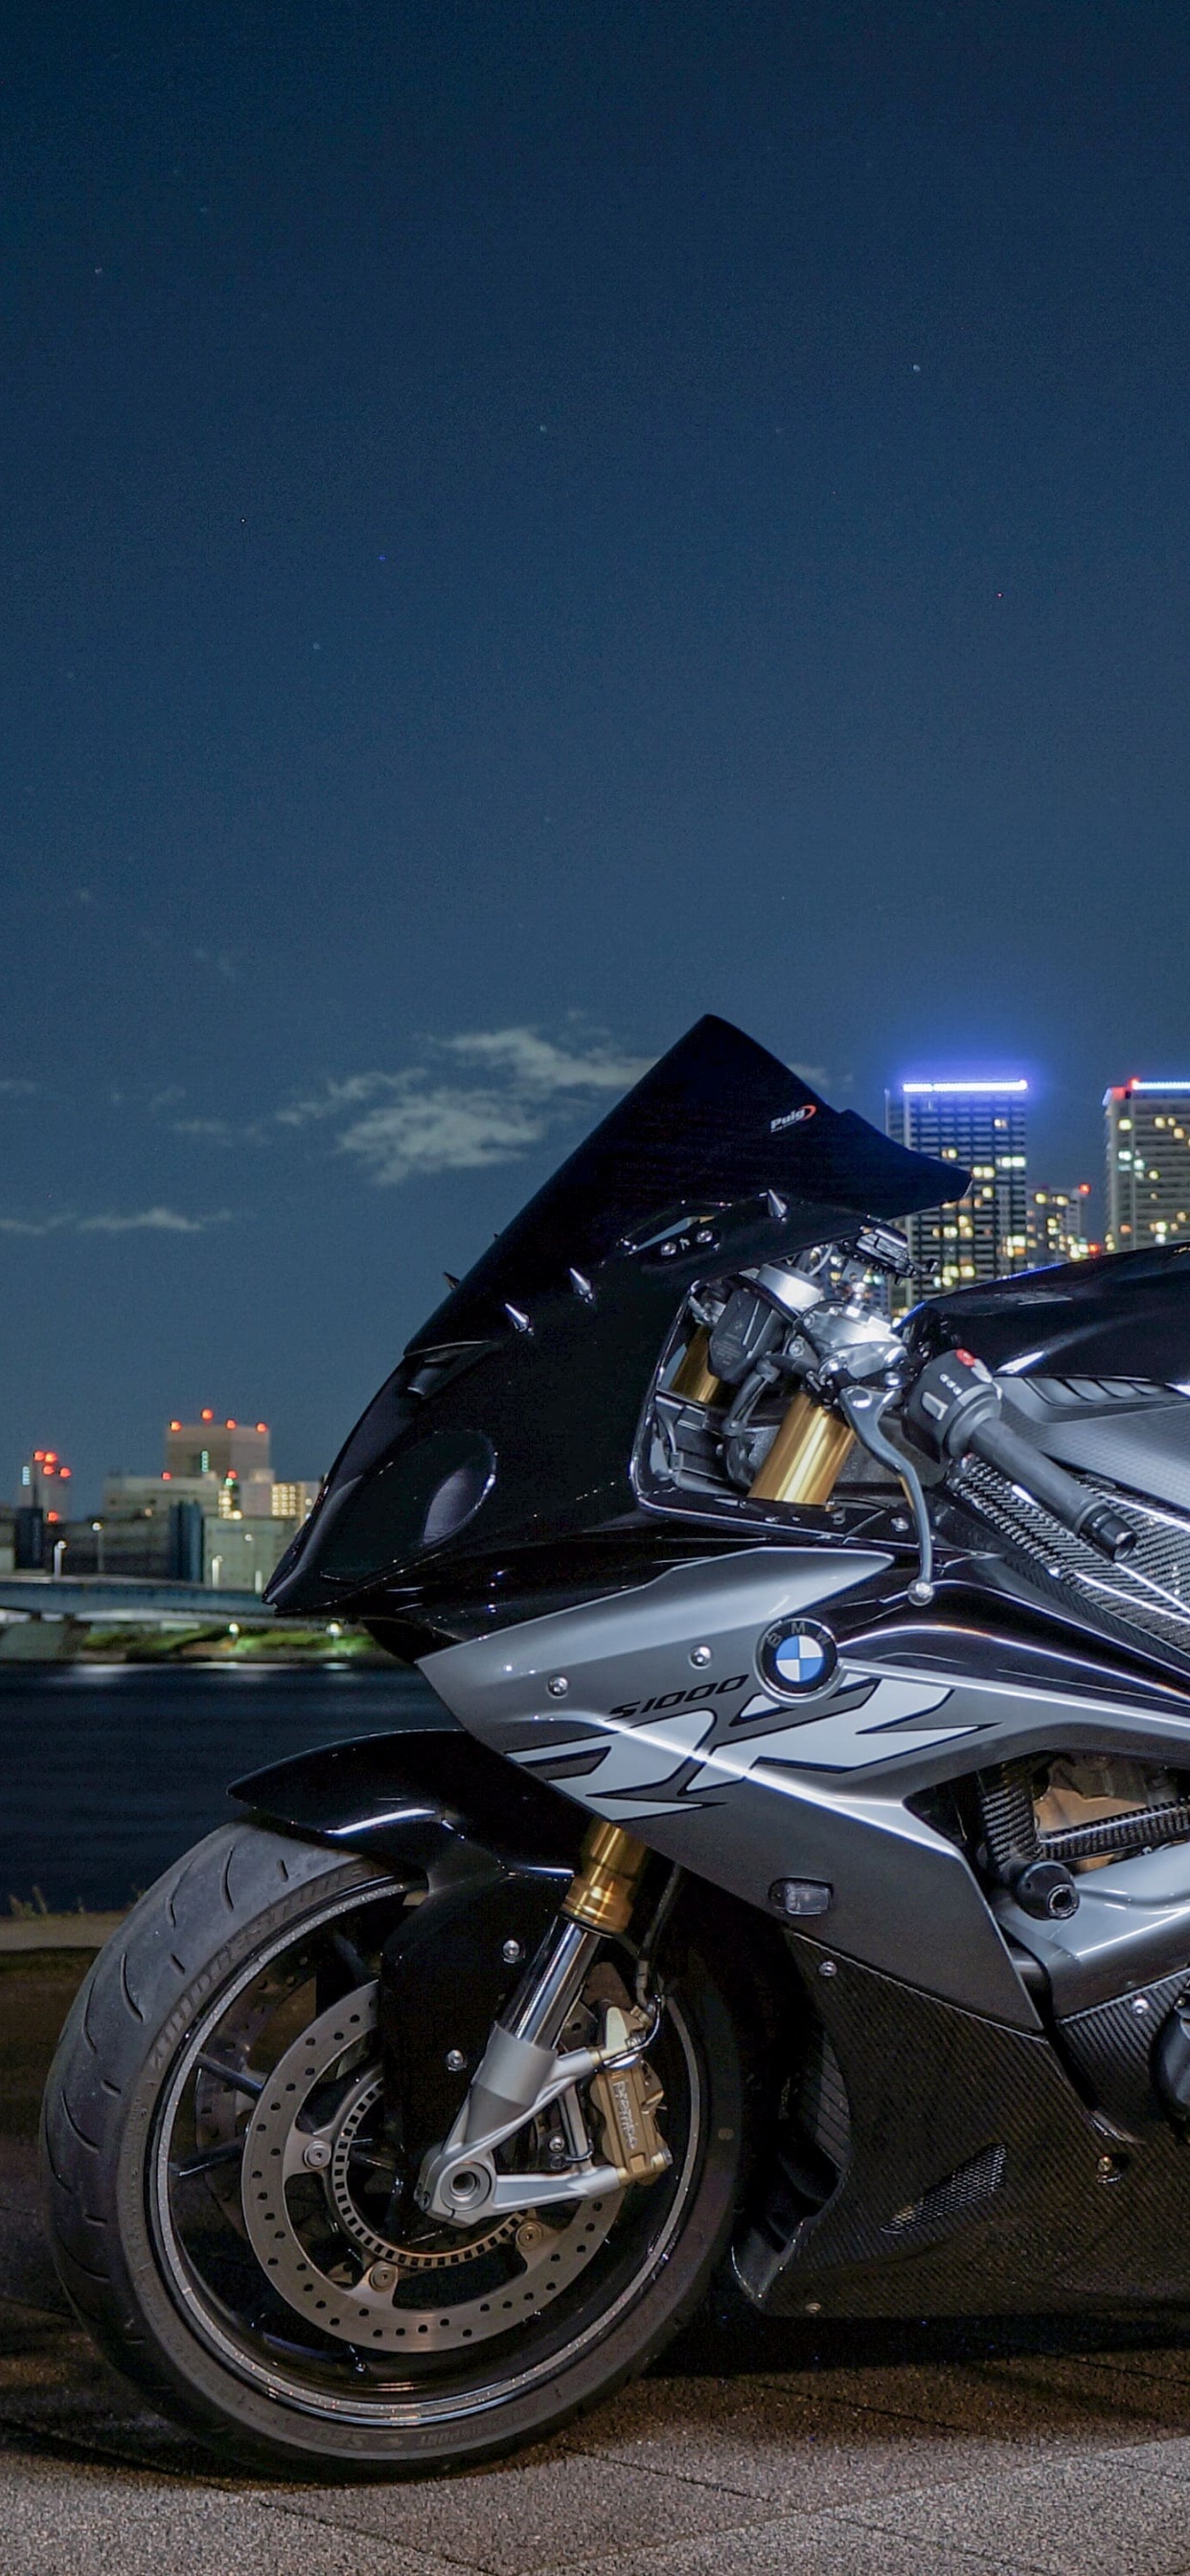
<point>953,1409</point>
<point>1083,1514</point>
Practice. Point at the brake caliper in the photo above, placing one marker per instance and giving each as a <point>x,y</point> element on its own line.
<point>627,2099</point>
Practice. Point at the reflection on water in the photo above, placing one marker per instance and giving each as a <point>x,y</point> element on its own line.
<point>109,1771</point>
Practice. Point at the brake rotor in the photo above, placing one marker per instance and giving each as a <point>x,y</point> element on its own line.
<point>373,2311</point>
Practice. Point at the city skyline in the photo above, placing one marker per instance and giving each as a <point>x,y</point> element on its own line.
<point>1017,1215</point>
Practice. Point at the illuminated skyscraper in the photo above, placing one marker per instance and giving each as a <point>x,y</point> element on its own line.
<point>1058,1223</point>
<point>294,1499</point>
<point>1148,1164</point>
<point>981,1127</point>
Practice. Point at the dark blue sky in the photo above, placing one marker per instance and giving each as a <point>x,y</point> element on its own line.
<point>523,524</point>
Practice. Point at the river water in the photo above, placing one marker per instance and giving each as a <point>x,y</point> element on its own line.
<point>109,1771</point>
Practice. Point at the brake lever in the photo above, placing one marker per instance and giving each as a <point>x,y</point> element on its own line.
<point>863,1409</point>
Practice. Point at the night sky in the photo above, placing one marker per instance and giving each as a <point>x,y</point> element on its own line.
<point>523,524</point>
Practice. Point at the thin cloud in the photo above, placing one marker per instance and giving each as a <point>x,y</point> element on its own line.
<point>437,1129</point>
<point>337,1096</point>
<point>154,1220</point>
<point>536,1065</point>
<point>12,1087</point>
<point>416,1123</point>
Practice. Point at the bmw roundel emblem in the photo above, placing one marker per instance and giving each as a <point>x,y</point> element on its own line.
<point>797,1656</point>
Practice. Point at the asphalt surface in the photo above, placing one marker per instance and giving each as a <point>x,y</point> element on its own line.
<point>750,2449</point>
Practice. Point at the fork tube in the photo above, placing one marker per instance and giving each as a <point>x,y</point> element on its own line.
<point>599,1899</point>
<point>546,1996</point>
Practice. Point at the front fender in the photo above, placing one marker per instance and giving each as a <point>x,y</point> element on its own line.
<point>486,1856</point>
<point>401,1798</point>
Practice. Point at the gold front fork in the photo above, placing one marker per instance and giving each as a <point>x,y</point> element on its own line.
<point>625,2094</point>
<point>602,1892</point>
<point>694,1379</point>
<point>810,1450</point>
<point>806,1458</point>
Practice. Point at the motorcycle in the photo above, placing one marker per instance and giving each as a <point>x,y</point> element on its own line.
<point>796,1885</point>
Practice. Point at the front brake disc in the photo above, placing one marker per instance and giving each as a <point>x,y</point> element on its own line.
<point>365,2298</point>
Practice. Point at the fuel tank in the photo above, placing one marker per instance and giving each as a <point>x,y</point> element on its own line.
<point>1123,1315</point>
<point>1093,1363</point>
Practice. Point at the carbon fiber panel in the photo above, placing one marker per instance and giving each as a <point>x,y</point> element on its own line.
<point>1148,1590</point>
<point>977,2183</point>
<point>1112,2049</point>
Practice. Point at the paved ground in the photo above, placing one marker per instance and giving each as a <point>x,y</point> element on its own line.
<point>751,2450</point>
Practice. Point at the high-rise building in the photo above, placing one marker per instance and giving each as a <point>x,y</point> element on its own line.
<point>981,1127</point>
<point>211,1448</point>
<point>1148,1164</point>
<point>43,1484</point>
<point>236,1453</point>
<point>1057,1224</point>
<point>293,1498</point>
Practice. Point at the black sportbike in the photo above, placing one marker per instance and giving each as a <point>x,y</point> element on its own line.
<point>797,1881</point>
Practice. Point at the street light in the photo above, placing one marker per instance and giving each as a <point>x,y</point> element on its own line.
<point>97,1526</point>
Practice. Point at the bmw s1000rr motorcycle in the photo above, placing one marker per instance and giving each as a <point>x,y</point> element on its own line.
<point>798,1879</point>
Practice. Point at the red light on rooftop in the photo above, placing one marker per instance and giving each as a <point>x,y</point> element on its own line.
<point>262,1426</point>
<point>1084,1189</point>
<point>206,1415</point>
<point>52,1516</point>
<point>63,1472</point>
<point>175,1426</point>
<point>229,1424</point>
<point>51,1457</point>
<point>166,1477</point>
<point>38,1454</point>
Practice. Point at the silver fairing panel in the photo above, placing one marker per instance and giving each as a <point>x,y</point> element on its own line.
<point>649,1708</point>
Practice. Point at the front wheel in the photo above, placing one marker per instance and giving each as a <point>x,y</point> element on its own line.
<point>287,2301</point>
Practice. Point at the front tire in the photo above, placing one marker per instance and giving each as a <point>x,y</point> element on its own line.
<point>246,1960</point>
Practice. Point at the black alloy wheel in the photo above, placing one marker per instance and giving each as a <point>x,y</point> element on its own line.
<point>230,2214</point>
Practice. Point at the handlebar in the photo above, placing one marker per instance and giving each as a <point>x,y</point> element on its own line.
<point>954,1408</point>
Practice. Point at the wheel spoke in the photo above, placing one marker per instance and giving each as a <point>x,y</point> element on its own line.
<point>237,2076</point>
<point>376,2163</point>
<point>350,1958</point>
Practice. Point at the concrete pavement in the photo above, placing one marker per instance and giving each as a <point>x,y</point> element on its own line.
<point>752,2449</point>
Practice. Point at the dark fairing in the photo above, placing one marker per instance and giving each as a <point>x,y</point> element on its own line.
<point>1125,1315</point>
<point>974,2180</point>
<point>511,1420</point>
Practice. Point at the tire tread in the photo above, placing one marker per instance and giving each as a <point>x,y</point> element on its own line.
<point>102,2048</point>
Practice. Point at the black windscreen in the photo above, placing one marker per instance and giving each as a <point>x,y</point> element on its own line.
<point>718,1120</point>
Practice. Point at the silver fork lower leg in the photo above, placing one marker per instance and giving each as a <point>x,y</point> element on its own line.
<point>522,2046</point>
<point>516,2061</point>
